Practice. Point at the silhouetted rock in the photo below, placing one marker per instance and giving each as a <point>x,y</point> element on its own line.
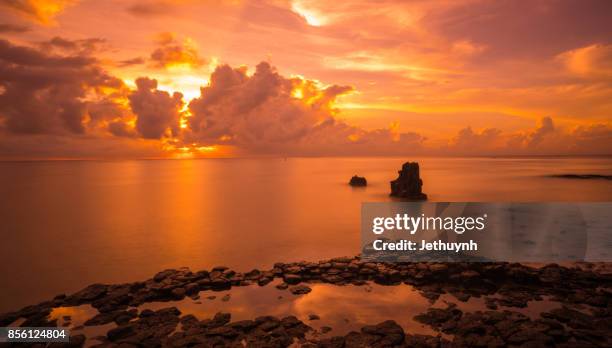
<point>582,176</point>
<point>408,184</point>
<point>358,181</point>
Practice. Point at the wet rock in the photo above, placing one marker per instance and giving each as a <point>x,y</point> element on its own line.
<point>226,297</point>
<point>282,286</point>
<point>120,332</point>
<point>146,313</point>
<point>160,276</point>
<point>192,288</point>
<point>120,317</point>
<point>408,184</point>
<point>263,281</point>
<point>220,319</point>
<point>325,329</point>
<point>225,331</point>
<point>300,289</point>
<point>358,181</point>
<point>243,325</point>
<point>425,341</point>
<point>75,341</point>
<point>437,317</point>
<point>313,317</point>
<point>220,268</point>
<point>253,275</point>
<point>292,278</point>
<point>188,322</point>
<point>267,323</point>
<point>147,330</point>
<point>178,293</point>
<point>386,334</point>
<point>90,293</point>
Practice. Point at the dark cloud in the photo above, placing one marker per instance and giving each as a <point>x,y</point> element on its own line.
<point>528,28</point>
<point>132,61</point>
<point>157,111</point>
<point>121,129</point>
<point>47,94</point>
<point>27,56</point>
<point>151,8</point>
<point>13,28</point>
<point>84,47</point>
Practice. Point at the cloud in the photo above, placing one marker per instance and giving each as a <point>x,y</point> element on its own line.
<point>545,139</point>
<point>546,127</point>
<point>82,47</point>
<point>151,8</point>
<point>49,94</point>
<point>131,62</point>
<point>268,113</point>
<point>592,61</point>
<point>157,111</point>
<point>52,100</point>
<point>13,28</point>
<point>468,141</point>
<point>173,53</point>
<point>43,11</point>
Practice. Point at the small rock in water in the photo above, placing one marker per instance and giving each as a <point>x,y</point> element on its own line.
<point>408,184</point>
<point>300,289</point>
<point>313,317</point>
<point>226,298</point>
<point>358,181</point>
<point>212,297</point>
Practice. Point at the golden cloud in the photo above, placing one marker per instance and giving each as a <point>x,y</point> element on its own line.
<point>43,11</point>
<point>175,54</point>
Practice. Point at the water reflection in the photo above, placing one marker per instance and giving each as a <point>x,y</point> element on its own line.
<point>75,223</point>
<point>343,308</point>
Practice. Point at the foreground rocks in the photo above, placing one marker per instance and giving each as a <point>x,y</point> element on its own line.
<point>584,320</point>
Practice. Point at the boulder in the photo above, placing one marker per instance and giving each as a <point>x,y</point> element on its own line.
<point>408,184</point>
<point>358,181</point>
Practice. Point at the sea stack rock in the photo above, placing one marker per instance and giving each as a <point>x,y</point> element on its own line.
<point>408,184</point>
<point>358,181</point>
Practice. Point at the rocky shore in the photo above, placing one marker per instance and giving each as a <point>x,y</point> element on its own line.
<point>584,318</point>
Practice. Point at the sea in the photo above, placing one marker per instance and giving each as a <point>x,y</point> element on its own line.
<point>67,224</point>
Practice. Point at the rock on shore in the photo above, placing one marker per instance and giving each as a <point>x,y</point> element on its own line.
<point>501,284</point>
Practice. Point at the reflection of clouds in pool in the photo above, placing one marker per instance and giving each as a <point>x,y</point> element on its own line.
<point>78,316</point>
<point>335,304</point>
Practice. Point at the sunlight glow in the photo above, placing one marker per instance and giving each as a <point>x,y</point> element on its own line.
<point>312,18</point>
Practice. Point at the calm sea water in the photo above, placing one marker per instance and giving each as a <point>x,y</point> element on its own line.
<point>67,224</point>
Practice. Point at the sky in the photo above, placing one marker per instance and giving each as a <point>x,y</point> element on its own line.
<point>199,78</point>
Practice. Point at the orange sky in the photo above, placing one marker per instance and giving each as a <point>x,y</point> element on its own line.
<point>98,78</point>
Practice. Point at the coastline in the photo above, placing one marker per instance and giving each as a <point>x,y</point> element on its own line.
<point>581,319</point>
